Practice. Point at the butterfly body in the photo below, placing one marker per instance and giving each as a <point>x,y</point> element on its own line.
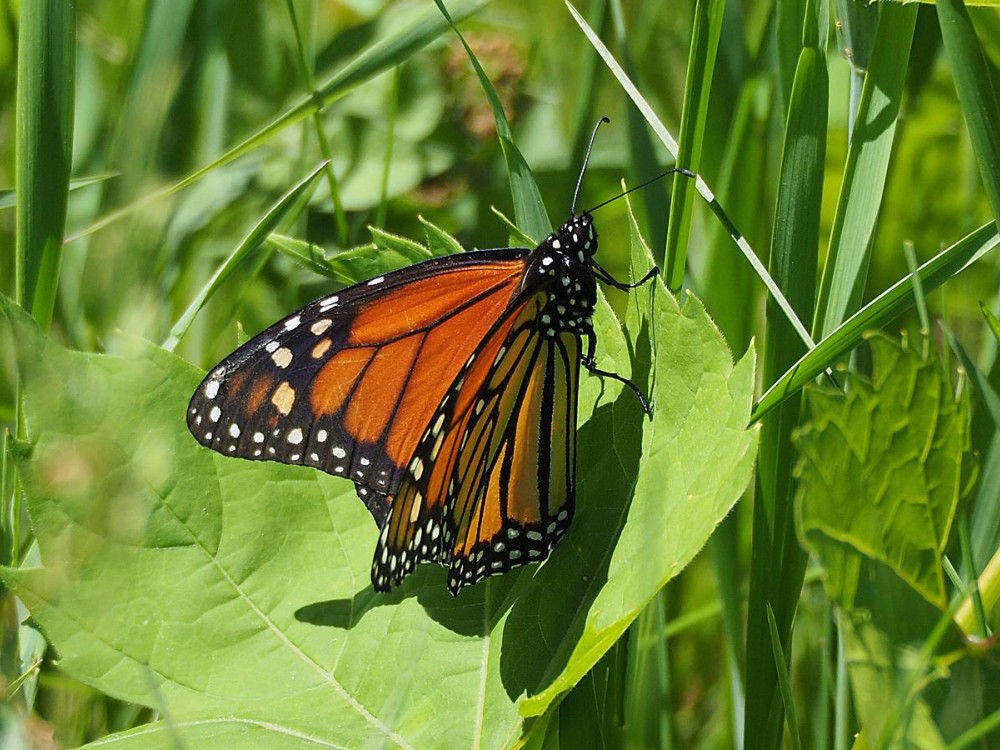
<point>447,391</point>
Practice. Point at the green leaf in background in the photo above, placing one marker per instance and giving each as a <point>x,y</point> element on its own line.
<point>882,470</point>
<point>234,596</point>
<point>881,672</point>
<point>386,252</point>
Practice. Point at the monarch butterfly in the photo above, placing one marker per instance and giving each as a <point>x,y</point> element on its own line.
<point>447,391</point>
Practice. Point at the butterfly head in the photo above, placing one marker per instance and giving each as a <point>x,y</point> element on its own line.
<point>577,237</point>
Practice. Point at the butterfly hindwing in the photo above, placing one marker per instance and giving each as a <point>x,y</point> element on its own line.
<point>491,485</point>
<point>348,383</point>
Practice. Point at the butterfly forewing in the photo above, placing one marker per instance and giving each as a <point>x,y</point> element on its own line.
<point>348,383</point>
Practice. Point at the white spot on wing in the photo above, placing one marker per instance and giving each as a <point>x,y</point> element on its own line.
<point>295,436</point>
<point>283,357</point>
<point>211,389</point>
<point>320,326</point>
<point>376,281</point>
<point>292,323</point>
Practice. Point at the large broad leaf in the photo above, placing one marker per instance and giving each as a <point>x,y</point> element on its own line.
<point>882,470</point>
<point>234,597</point>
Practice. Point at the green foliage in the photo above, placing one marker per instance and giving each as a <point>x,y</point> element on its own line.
<point>202,169</point>
<point>882,470</point>
<point>160,559</point>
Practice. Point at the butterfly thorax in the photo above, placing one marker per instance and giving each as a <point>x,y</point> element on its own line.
<point>562,267</point>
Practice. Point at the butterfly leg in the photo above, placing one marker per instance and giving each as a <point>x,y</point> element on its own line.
<point>589,363</point>
<point>610,280</point>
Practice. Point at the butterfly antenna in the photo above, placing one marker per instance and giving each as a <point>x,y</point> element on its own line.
<point>679,170</point>
<point>586,159</point>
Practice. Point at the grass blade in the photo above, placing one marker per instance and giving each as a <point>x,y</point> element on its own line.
<point>777,562</point>
<point>977,94</point>
<point>251,242</point>
<point>706,192</point>
<point>529,209</point>
<point>784,682</point>
<point>697,91</point>
<point>893,301</point>
<point>8,196</point>
<point>44,137</point>
<point>306,71</point>
<point>865,175</point>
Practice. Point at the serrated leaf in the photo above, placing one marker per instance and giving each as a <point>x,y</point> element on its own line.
<point>439,242</point>
<point>387,252</point>
<point>234,596</point>
<point>392,243</point>
<point>882,470</point>
<point>308,255</point>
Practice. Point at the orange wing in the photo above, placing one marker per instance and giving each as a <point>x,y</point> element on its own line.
<point>492,483</point>
<point>349,383</point>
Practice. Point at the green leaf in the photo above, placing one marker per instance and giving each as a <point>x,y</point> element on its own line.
<point>882,470</point>
<point>880,672</point>
<point>387,252</point>
<point>439,242</point>
<point>401,246</point>
<point>311,257</point>
<point>234,596</point>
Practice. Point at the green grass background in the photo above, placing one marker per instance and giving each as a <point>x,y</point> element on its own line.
<point>149,143</point>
